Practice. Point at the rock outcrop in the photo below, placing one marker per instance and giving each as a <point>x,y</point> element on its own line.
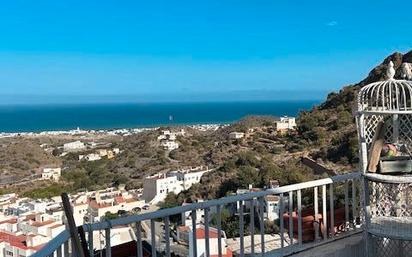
<point>405,71</point>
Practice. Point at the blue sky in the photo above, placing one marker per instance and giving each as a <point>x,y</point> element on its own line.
<point>193,48</point>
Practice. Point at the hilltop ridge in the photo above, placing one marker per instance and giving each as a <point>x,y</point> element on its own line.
<point>328,130</point>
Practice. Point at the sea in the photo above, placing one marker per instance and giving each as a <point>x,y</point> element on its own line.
<point>42,117</point>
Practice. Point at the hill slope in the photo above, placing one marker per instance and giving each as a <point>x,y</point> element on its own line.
<point>328,130</point>
<point>326,133</point>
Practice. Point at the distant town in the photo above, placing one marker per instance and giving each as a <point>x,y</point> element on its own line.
<point>26,223</point>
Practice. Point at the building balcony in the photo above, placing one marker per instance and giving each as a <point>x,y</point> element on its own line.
<point>316,218</point>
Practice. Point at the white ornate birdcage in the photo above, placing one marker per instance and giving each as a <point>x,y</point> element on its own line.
<point>384,120</point>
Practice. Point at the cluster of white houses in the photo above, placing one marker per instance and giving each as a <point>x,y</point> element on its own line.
<point>281,125</point>
<point>99,154</point>
<point>167,139</point>
<point>27,224</point>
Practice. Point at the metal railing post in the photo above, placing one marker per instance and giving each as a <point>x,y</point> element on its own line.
<point>194,236</point>
<point>108,243</point>
<point>167,236</point>
<point>324,213</point>
<point>291,217</point>
<point>207,244</point>
<point>316,207</point>
<point>332,211</point>
<point>299,196</point>
<point>252,227</point>
<point>281,221</point>
<point>219,230</point>
<point>241,228</point>
<point>262,225</point>
<point>139,246</point>
<point>153,237</point>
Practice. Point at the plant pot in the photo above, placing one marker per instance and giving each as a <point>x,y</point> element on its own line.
<point>308,223</point>
<point>396,164</point>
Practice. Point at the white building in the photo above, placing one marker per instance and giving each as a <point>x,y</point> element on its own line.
<point>74,146</point>
<point>272,207</point>
<point>26,234</point>
<point>285,123</point>
<point>112,200</point>
<point>236,135</point>
<point>6,201</point>
<point>51,173</point>
<point>118,236</point>
<point>90,157</point>
<point>12,245</point>
<point>185,236</point>
<point>167,134</point>
<point>170,145</point>
<point>158,186</point>
<point>102,152</point>
<point>271,203</point>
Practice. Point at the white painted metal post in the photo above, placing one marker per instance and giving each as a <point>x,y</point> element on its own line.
<point>324,213</point>
<point>241,228</point>
<point>332,211</point>
<point>194,233</point>
<point>299,196</point>
<point>291,217</point>
<point>207,243</point>
<point>316,207</point>
<point>252,227</point>
<point>167,236</point>
<point>153,237</point>
<point>219,230</point>
<point>282,225</point>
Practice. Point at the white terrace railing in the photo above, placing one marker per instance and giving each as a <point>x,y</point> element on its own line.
<point>311,214</point>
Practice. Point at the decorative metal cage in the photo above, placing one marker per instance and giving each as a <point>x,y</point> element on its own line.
<point>387,196</point>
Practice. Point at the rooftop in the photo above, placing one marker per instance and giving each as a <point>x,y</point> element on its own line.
<point>17,241</point>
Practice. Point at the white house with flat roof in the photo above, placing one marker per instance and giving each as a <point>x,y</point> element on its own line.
<point>185,236</point>
<point>74,146</point>
<point>158,186</point>
<point>285,123</point>
<point>51,173</point>
<point>236,135</point>
<point>170,145</point>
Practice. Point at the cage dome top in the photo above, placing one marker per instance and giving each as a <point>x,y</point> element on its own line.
<point>388,96</point>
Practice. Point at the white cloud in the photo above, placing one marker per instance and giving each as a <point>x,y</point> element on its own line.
<point>332,23</point>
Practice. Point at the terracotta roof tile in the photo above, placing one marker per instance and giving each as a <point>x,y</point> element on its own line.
<point>17,241</point>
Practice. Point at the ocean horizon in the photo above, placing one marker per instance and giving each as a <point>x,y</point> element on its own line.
<point>51,117</point>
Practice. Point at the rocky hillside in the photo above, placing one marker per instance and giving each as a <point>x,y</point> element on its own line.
<point>328,131</point>
<point>21,158</point>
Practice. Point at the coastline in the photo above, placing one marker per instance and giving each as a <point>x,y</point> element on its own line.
<point>37,119</point>
<point>113,132</point>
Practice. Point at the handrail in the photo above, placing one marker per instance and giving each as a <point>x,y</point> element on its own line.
<point>222,201</point>
<point>64,236</point>
<point>53,244</point>
<point>391,179</point>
